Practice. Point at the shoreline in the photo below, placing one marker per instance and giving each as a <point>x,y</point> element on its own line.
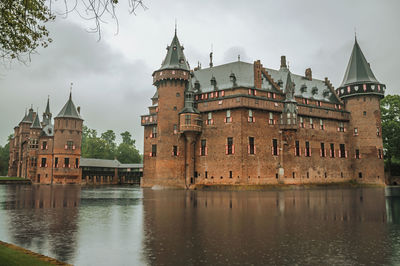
<point>27,255</point>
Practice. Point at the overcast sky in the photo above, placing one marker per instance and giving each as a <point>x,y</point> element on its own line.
<point>112,77</point>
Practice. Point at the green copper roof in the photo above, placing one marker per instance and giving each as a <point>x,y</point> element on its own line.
<point>358,69</point>
<point>69,110</point>
<point>175,58</point>
<point>36,122</point>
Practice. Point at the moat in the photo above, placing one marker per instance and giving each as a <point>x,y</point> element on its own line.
<point>134,226</point>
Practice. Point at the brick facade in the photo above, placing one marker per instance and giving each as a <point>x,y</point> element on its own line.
<point>48,154</point>
<point>242,134</point>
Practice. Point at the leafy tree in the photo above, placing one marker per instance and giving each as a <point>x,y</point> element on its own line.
<point>127,152</point>
<point>23,22</point>
<point>5,157</point>
<point>390,113</point>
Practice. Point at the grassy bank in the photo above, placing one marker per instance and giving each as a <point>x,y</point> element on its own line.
<point>13,255</point>
<point>11,178</point>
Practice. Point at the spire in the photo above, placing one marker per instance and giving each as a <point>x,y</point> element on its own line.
<point>29,117</point>
<point>36,122</point>
<point>189,100</point>
<point>69,110</point>
<point>358,69</point>
<point>175,58</point>
<point>47,114</point>
<point>289,90</point>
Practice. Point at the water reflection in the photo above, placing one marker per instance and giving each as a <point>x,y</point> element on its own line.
<point>327,226</point>
<point>130,226</point>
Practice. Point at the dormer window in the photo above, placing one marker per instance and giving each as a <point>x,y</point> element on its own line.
<point>314,90</point>
<point>326,93</point>
<point>213,81</point>
<point>303,88</point>
<point>197,85</point>
<point>280,83</point>
<point>232,77</point>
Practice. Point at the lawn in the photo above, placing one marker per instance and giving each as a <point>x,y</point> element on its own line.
<point>11,178</point>
<point>12,255</point>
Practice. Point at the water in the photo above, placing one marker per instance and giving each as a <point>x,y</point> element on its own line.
<point>131,226</point>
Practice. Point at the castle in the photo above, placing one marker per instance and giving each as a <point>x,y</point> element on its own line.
<point>47,153</point>
<point>245,124</point>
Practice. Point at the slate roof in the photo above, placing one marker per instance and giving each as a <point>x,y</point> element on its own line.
<point>175,58</point>
<point>48,131</point>
<point>244,74</point>
<point>69,110</point>
<point>47,111</point>
<point>358,69</point>
<point>103,163</point>
<point>29,117</point>
<point>36,122</point>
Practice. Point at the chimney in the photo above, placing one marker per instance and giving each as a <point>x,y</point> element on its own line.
<point>308,74</point>
<point>283,62</point>
<point>79,109</point>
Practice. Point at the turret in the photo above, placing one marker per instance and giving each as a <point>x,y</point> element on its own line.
<point>47,114</point>
<point>67,142</point>
<point>289,114</point>
<point>361,92</point>
<point>162,135</point>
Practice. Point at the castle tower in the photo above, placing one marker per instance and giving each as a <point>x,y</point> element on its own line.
<point>23,142</point>
<point>34,135</point>
<point>361,92</point>
<point>164,156</point>
<point>67,144</point>
<point>47,114</point>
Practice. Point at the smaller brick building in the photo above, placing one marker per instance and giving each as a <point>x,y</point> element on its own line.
<point>48,153</point>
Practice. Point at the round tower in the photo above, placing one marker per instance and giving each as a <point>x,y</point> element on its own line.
<point>67,144</point>
<point>361,93</point>
<point>164,146</point>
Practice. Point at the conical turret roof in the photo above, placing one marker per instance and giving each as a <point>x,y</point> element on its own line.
<point>36,122</point>
<point>47,111</point>
<point>358,69</point>
<point>69,110</point>
<point>29,117</point>
<point>175,58</point>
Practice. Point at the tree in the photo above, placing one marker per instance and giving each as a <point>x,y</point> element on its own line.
<point>127,152</point>
<point>5,157</point>
<point>390,114</point>
<point>23,22</point>
<point>109,139</point>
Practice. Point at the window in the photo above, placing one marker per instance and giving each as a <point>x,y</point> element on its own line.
<point>275,150</point>
<point>297,148</point>
<point>56,162</point>
<point>378,132</point>
<point>230,174</point>
<point>178,94</point>
<point>69,145</point>
<point>175,129</point>
<point>209,120</point>
<point>321,124</point>
<point>294,175</point>
<point>66,162</point>
<point>365,113</point>
<point>153,152</point>
<point>319,103</point>
<point>251,118</point>
<point>34,144</point>
<point>342,151</point>
<point>175,151</point>
<point>308,150</point>
<point>44,145</point>
<point>355,131</point>
<point>76,163</point>
<point>341,127</point>
<point>322,149</point>
<point>380,153</point>
<point>288,119</point>
<point>251,148</point>
<point>360,175</point>
<point>357,156</point>
<point>311,123</point>
<point>203,148</point>
<point>332,150</point>
<point>228,118</point>
<point>206,174</point>
<point>252,92</point>
<point>301,122</point>
<point>43,163</point>
<point>230,148</point>
<point>271,119</point>
<point>187,119</point>
<point>153,132</point>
